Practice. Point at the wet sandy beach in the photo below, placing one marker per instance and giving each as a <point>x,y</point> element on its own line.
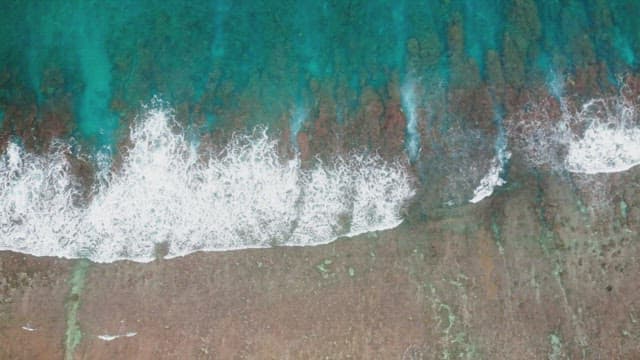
<point>523,275</point>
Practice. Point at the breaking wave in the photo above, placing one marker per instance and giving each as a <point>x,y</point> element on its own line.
<point>168,195</point>
<point>600,136</point>
<point>611,141</point>
<point>495,176</point>
<point>492,179</point>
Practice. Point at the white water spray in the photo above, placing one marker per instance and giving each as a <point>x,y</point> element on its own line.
<point>410,108</point>
<point>611,142</point>
<point>600,136</point>
<point>494,176</point>
<point>243,197</point>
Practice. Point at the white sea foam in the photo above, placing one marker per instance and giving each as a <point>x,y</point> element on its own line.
<point>410,108</point>
<point>298,117</point>
<point>611,142</point>
<point>604,150</point>
<point>601,136</point>
<point>165,193</point>
<point>492,179</point>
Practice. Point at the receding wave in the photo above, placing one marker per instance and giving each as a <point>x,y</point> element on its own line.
<point>164,195</point>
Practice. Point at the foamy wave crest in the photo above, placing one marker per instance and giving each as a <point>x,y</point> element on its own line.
<point>601,136</point>
<point>37,212</point>
<point>611,142</point>
<point>492,179</point>
<point>166,196</point>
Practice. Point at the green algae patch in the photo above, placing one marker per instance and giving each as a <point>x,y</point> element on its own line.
<point>323,268</point>
<point>624,209</point>
<point>556,347</point>
<point>456,343</point>
<point>497,233</point>
<point>583,209</point>
<point>352,272</point>
<point>73,333</point>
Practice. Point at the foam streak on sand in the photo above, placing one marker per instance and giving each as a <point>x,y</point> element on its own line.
<point>114,337</point>
<point>245,196</point>
<point>29,328</point>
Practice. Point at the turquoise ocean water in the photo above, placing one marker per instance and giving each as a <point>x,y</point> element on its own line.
<point>432,85</point>
<point>268,58</point>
